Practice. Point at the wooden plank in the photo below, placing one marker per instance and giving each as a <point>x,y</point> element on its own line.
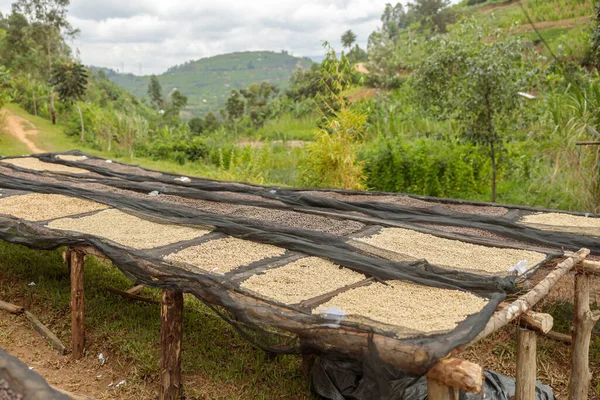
<point>11,308</point>
<point>130,296</point>
<point>526,364</point>
<point>583,323</point>
<point>76,262</point>
<point>561,337</point>
<point>438,391</point>
<point>457,373</point>
<point>539,322</point>
<point>46,333</point>
<point>170,351</point>
<point>136,289</point>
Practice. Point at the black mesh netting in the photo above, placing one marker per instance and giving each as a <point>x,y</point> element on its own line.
<point>304,223</point>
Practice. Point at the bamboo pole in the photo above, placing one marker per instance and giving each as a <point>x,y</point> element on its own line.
<point>526,364</point>
<point>171,337</point>
<point>583,324</point>
<point>439,391</point>
<point>76,263</point>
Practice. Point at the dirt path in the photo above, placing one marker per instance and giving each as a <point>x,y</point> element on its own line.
<point>16,126</point>
<point>563,23</point>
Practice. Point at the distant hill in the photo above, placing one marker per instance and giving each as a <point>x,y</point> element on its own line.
<point>208,81</point>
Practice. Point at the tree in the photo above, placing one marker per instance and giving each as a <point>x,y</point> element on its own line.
<point>393,20</point>
<point>348,39</point>
<point>197,125</point>
<point>178,102</point>
<point>70,81</point>
<point>155,92</point>
<point>234,109</point>
<point>5,86</point>
<point>595,37</point>
<point>48,19</point>
<point>258,97</point>
<point>434,14</point>
<point>211,123</point>
<point>475,80</point>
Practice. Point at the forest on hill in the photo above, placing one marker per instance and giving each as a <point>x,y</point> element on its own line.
<point>207,82</point>
<point>464,101</point>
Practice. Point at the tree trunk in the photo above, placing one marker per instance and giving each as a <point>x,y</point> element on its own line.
<point>526,364</point>
<point>583,324</point>
<point>34,103</point>
<point>81,120</point>
<point>52,110</point>
<point>494,171</point>
<point>170,352</point>
<point>76,262</point>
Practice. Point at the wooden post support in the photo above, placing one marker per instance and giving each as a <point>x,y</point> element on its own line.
<point>438,391</point>
<point>526,364</point>
<point>76,262</point>
<point>171,334</point>
<point>583,324</point>
<point>458,373</point>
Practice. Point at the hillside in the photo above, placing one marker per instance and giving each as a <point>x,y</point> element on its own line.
<point>208,81</point>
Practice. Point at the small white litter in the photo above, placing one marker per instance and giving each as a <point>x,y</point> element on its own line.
<point>153,193</point>
<point>120,383</point>
<point>109,161</point>
<point>31,284</point>
<point>527,95</point>
<point>183,179</point>
<point>520,268</point>
<point>101,358</point>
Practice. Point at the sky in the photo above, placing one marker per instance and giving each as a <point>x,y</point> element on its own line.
<point>149,36</point>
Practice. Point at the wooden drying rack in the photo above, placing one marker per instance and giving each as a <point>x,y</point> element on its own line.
<point>444,381</point>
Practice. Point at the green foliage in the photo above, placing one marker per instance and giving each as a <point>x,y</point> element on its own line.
<point>433,14</point>
<point>258,97</point>
<point>348,39</point>
<point>207,82</point>
<point>6,91</point>
<point>332,157</point>
<point>595,37</point>
<point>476,81</point>
<point>155,93</point>
<point>426,167</point>
<point>69,80</point>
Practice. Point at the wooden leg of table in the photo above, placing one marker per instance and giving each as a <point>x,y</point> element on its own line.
<point>76,263</point>
<point>583,324</point>
<point>439,391</point>
<point>526,364</point>
<point>170,351</point>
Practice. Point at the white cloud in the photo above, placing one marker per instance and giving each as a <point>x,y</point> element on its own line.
<point>160,34</point>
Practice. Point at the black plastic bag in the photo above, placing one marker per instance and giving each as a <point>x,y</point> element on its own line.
<point>351,380</point>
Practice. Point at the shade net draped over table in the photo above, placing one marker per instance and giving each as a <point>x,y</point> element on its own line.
<point>390,280</point>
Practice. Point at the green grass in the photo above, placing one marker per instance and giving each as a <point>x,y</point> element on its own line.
<point>131,330</point>
<point>10,145</point>
<point>288,127</point>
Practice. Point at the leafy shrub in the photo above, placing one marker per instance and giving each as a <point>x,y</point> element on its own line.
<point>426,167</point>
<point>474,2</point>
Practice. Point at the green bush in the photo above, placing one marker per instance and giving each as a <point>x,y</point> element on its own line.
<point>426,167</point>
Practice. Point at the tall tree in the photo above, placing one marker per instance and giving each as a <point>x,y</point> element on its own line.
<point>258,98</point>
<point>348,39</point>
<point>155,92</point>
<point>70,82</point>
<point>477,82</point>
<point>49,21</point>
<point>234,109</point>
<point>211,123</point>
<point>434,14</point>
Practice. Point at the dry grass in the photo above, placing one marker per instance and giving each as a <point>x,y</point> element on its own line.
<point>452,253</point>
<point>224,255</point>
<point>301,280</point>
<point>41,207</point>
<point>34,164</point>
<point>127,229</point>
<point>408,305</point>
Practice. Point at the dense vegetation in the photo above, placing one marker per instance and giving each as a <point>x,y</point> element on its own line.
<point>460,101</point>
<point>207,81</point>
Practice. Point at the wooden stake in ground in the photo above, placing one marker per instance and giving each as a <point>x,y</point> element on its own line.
<point>583,324</point>
<point>171,334</point>
<point>458,373</point>
<point>438,391</point>
<point>526,364</point>
<point>76,263</point>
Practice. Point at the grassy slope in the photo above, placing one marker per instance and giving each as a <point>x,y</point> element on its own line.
<point>208,81</point>
<point>213,349</point>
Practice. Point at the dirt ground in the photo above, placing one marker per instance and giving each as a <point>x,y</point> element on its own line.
<point>87,376</point>
<point>16,126</point>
